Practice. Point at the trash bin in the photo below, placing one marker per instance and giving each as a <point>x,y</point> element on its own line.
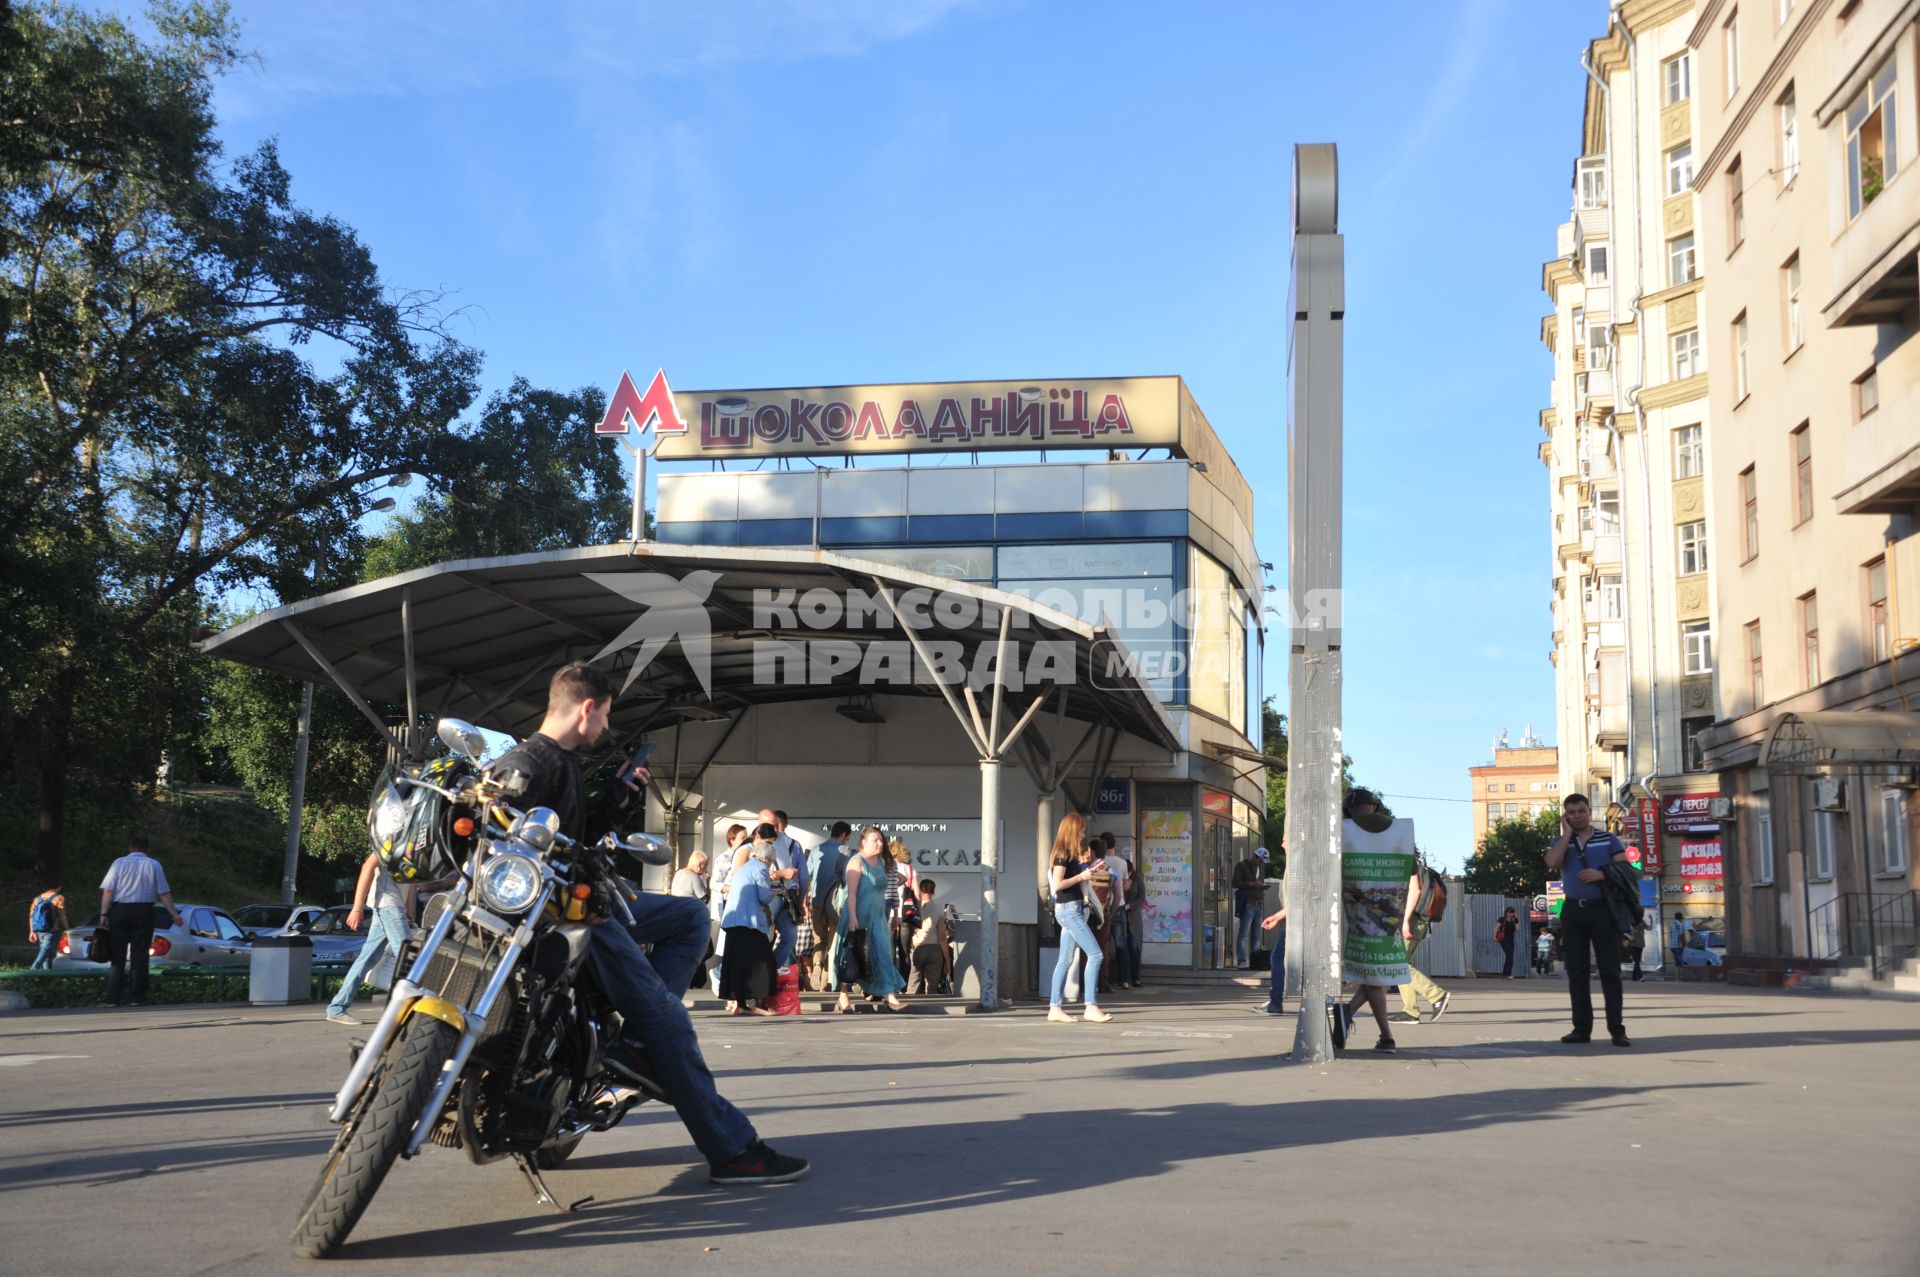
<point>282,971</point>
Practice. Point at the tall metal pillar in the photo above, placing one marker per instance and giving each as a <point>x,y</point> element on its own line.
<point>296,799</point>
<point>990,883</point>
<point>1315,366</point>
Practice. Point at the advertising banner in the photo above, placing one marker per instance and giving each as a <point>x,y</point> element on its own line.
<point>1700,860</point>
<point>1128,412</point>
<point>1649,837</point>
<point>1374,871</point>
<point>1166,856</point>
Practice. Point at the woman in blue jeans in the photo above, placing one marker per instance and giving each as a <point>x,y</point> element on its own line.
<point>1068,882</point>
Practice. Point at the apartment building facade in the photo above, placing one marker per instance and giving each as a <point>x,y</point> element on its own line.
<point>1627,437</point>
<point>1521,781</point>
<point>1807,193</point>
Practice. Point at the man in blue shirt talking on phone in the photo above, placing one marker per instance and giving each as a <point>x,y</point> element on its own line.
<point>1587,929</point>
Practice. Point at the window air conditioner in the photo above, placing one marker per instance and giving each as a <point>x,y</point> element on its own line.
<point>1829,794</point>
<point>1720,808</point>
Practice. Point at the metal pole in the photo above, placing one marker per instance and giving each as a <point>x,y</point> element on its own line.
<point>291,865</point>
<point>989,884</point>
<point>1316,361</point>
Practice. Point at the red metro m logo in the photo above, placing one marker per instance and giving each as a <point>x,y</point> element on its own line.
<point>629,409</point>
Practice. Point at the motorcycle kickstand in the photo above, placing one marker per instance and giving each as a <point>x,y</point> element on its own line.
<point>541,1192</point>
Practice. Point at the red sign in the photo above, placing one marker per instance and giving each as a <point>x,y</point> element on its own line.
<point>1650,838</point>
<point>1700,860</point>
<point>631,410</point>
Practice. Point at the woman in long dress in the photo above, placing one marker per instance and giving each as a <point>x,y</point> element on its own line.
<point>864,921</point>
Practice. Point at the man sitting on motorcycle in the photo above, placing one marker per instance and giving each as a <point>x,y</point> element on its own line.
<point>545,771</point>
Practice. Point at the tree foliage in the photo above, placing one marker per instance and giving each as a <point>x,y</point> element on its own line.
<point>1512,858</point>
<point>199,381</point>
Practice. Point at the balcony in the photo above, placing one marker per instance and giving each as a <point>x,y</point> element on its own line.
<point>1876,261</point>
<point>1880,457</point>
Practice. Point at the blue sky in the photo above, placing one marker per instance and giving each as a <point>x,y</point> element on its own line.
<point>808,192</point>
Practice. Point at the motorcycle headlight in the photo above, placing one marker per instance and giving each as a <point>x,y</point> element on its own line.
<point>509,883</point>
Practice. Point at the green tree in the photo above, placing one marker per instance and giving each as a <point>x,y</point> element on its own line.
<point>1512,858</point>
<point>167,433</point>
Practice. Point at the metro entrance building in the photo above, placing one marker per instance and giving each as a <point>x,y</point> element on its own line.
<point>1094,527</point>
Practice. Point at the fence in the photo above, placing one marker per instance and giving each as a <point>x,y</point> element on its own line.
<point>1859,924</point>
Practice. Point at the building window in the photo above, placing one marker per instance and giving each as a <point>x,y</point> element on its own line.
<point>1756,683</point>
<point>1693,548</point>
<point>1686,355</point>
<point>1592,181</point>
<point>1596,263</point>
<point>1893,831</point>
<point>1802,474</point>
<point>1879,636</point>
<point>1866,393</point>
<point>1810,638</point>
<point>1788,111</point>
<point>1688,456</point>
<point>1822,845</point>
<point>1796,326</point>
<point>1763,851</point>
<point>1600,346</point>
<point>1749,515</point>
<point>1730,49</point>
<point>1741,387</point>
<point>1680,267</point>
<point>1693,756</point>
<point>1680,169</point>
<point>1612,598</point>
<point>1736,204</point>
<point>1677,74</point>
<point>1696,647</point>
<point>1606,504</point>
<point>1872,150</point>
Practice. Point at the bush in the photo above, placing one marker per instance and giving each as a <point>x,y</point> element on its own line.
<point>168,985</point>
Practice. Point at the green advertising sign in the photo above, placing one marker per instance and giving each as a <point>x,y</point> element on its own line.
<point>1374,872</point>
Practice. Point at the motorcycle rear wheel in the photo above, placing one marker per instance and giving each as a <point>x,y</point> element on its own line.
<point>372,1138</point>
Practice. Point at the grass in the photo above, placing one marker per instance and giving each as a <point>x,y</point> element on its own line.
<point>217,846</point>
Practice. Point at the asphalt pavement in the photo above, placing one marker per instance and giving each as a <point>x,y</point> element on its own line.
<point>1747,1131</point>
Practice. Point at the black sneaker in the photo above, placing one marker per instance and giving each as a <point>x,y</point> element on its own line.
<point>760,1165</point>
<point>1440,1007</point>
<point>1576,1038</point>
<point>1621,1039</point>
<point>1384,1046</point>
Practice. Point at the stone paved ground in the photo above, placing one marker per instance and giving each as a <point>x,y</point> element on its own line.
<point>1746,1132</point>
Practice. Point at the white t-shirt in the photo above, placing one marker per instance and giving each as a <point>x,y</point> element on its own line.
<point>1118,868</point>
<point>385,892</point>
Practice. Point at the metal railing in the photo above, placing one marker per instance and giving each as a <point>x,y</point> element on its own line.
<point>1861,924</point>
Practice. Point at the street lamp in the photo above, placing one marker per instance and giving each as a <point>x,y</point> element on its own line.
<point>296,798</point>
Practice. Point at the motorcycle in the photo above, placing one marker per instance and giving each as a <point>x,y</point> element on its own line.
<point>495,1040</point>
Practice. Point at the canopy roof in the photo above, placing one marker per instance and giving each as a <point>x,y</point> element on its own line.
<point>482,636</point>
<point>1841,738</point>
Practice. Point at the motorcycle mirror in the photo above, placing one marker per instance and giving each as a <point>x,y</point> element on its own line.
<point>648,848</point>
<point>462,738</point>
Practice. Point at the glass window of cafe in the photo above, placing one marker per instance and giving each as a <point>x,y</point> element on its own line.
<point>1218,680</point>
<point>1129,585</point>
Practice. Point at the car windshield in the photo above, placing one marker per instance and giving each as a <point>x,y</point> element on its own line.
<point>264,916</point>
<point>1715,940</point>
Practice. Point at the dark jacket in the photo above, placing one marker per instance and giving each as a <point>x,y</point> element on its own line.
<point>1621,887</point>
<point>538,772</point>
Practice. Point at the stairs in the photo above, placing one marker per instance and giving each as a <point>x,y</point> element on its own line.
<point>1901,983</point>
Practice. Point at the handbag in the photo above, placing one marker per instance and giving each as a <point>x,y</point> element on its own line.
<point>97,944</point>
<point>856,965</point>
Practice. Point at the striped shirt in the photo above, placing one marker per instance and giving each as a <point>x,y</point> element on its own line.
<point>136,879</point>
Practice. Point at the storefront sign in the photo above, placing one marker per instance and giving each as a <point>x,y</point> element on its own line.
<point>1700,860</point>
<point>1219,804</point>
<point>1132,412</point>
<point>1695,891</point>
<point>1649,837</point>
<point>1556,898</point>
<point>1113,796</point>
<point>1689,814</point>
<point>1166,851</point>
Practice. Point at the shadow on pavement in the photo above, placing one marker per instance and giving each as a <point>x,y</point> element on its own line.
<point>863,1175</point>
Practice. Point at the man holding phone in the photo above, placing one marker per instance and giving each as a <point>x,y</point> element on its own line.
<point>1587,927</point>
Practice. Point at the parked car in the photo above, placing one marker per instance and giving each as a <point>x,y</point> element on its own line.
<point>276,920</point>
<point>1704,949</point>
<point>211,938</point>
<point>332,940</point>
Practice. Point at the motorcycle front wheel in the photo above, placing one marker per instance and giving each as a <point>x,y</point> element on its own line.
<point>373,1136</point>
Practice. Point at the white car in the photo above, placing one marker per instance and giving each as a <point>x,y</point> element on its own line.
<point>211,938</point>
<point>277,920</point>
<point>1704,949</point>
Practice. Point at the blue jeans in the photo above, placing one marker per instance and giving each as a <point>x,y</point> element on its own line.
<point>1243,934</point>
<point>386,930</point>
<point>646,990</point>
<point>1276,996</point>
<point>49,949</point>
<point>786,935</point>
<point>1076,934</point>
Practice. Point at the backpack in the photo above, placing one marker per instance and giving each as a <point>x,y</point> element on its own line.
<point>46,916</point>
<point>1432,904</point>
